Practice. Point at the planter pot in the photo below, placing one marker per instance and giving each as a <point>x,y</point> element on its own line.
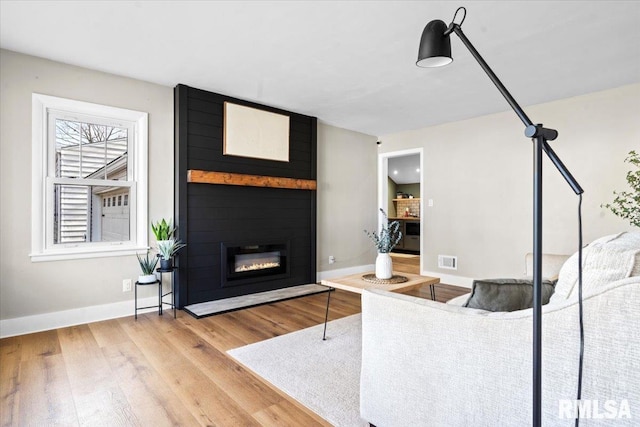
<point>166,264</point>
<point>384,266</point>
<point>148,278</point>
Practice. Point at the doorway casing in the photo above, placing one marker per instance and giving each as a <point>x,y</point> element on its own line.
<point>383,188</point>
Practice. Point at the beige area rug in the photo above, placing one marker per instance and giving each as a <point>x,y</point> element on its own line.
<point>210,308</point>
<point>322,375</point>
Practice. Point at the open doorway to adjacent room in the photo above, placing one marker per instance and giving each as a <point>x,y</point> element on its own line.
<point>400,190</point>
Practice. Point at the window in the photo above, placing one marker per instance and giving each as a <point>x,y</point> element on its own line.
<point>87,158</point>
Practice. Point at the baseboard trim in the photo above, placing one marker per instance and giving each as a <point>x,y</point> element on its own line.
<point>77,316</point>
<point>332,274</point>
<point>449,279</point>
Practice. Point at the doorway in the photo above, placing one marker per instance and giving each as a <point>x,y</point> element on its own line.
<point>400,194</point>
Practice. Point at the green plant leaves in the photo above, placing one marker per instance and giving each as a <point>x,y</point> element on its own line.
<point>626,204</point>
<point>147,265</point>
<point>163,230</point>
<point>390,235</point>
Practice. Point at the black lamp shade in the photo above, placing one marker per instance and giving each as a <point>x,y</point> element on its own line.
<point>435,47</point>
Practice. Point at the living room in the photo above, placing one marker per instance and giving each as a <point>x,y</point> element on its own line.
<point>476,162</point>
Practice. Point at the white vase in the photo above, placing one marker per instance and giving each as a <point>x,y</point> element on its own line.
<point>384,266</point>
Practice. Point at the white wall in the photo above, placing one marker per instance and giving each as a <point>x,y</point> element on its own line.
<point>44,295</point>
<point>347,204</point>
<point>479,174</point>
<point>27,288</point>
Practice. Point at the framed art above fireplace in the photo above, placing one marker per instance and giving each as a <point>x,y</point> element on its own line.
<point>255,133</point>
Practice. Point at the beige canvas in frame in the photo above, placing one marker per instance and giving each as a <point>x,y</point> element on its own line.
<point>249,132</point>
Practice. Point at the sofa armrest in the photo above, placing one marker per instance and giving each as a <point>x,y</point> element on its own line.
<point>459,300</point>
<point>426,363</point>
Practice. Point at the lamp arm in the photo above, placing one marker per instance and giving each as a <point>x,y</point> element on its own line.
<point>503,90</point>
<point>531,130</point>
<point>562,169</point>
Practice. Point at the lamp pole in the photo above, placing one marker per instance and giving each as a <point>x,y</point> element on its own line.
<point>539,135</point>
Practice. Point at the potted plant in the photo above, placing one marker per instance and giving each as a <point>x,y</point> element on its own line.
<point>163,230</point>
<point>626,204</point>
<point>166,250</point>
<point>148,267</point>
<point>388,238</point>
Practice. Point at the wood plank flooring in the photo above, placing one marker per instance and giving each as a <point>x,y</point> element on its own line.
<point>158,370</point>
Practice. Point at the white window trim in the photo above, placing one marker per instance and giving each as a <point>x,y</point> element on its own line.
<point>41,104</point>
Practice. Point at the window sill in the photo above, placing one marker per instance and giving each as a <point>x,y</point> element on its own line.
<point>83,253</point>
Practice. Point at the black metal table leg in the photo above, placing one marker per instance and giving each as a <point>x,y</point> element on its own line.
<point>137,307</point>
<point>326,315</point>
<point>432,288</point>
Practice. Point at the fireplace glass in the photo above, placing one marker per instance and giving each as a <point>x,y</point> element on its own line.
<point>257,261</point>
<point>243,263</point>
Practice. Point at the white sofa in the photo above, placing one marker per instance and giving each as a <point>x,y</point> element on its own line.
<point>431,364</point>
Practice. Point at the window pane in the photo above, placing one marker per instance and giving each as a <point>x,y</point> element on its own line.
<point>89,150</point>
<point>85,213</point>
<point>67,159</point>
<point>117,156</point>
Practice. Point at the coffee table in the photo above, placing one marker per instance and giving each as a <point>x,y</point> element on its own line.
<point>355,283</point>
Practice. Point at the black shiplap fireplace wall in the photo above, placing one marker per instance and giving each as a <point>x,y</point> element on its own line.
<point>209,215</point>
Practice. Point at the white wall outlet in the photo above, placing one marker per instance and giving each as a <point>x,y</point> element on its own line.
<point>126,285</point>
<point>332,259</point>
<point>430,202</point>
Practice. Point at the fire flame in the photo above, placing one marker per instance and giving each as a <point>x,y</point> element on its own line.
<point>257,266</point>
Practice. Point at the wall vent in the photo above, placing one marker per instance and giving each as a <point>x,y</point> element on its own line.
<point>448,262</point>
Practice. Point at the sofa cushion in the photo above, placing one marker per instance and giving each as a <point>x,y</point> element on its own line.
<point>506,294</point>
<point>605,260</point>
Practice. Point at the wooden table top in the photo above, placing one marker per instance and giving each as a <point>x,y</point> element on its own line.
<point>355,283</point>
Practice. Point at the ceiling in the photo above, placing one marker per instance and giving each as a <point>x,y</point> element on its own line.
<point>404,169</point>
<point>349,63</point>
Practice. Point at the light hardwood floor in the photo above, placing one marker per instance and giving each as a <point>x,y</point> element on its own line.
<point>158,371</point>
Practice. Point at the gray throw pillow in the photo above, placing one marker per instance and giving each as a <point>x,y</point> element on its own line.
<point>506,294</point>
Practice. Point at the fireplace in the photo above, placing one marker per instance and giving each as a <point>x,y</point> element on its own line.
<point>233,205</point>
<point>250,263</point>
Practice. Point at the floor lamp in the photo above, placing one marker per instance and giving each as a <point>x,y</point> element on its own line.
<point>435,51</point>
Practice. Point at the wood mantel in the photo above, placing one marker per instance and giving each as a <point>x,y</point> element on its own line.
<point>227,178</point>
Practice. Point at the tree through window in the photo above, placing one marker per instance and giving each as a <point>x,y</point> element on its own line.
<point>94,159</point>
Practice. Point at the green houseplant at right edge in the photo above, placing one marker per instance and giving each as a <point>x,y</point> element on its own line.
<point>626,204</point>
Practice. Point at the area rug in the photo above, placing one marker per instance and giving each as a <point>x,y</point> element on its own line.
<point>210,308</point>
<point>322,375</point>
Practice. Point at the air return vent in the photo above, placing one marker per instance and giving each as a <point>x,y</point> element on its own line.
<point>448,262</point>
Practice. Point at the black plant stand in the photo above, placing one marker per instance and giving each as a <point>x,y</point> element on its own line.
<point>155,282</point>
<point>161,296</point>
